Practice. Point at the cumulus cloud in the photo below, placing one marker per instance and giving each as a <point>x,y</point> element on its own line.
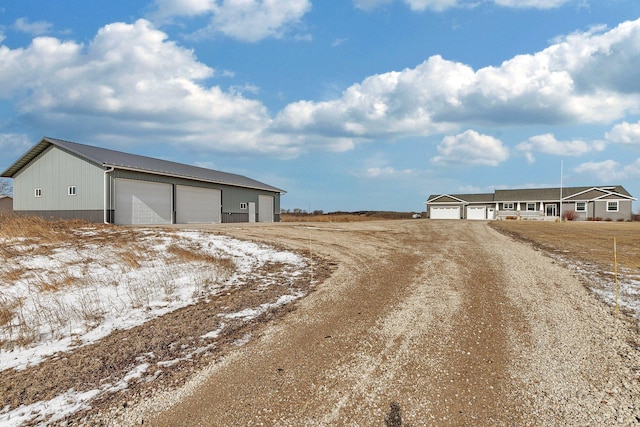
<point>34,28</point>
<point>131,81</point>
<point>12,143</point>
<point>471,147</point>
<point>440,5</point>
<point>625,133</point>
<point>610,171</point>
<point>531,4</point>
<point>548,144</point>
<point>388,172</point>
<point>436,5</point>
<point>246,20</point>
<point>590,77</point>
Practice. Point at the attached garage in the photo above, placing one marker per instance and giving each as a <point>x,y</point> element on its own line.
<point>142,202</point>
<point>445,212</point>
<point>197,205</point>
<point>476,212</point>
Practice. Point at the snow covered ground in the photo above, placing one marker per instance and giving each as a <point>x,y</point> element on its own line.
<point>60,296</point>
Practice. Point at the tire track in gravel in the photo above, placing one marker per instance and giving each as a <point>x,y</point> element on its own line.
<point>475,387</point>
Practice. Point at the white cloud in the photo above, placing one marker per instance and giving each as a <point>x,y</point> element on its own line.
<point>246,20</point>
<point>436,5</point>
<point>531,4</point>
<point>610,171</point>
<point>371,4</point>
<point>625,133</point>
<point>440,5</point>
<point>388,172</point>
<point>591,77</point>
<point>12,143</point>
<point>34,28</point>
<point>548,144</point>
<point>130,81</point>
<point>473,148</point>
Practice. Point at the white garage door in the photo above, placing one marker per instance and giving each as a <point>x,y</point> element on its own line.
<point>476,212</point>
<point>142,202</point>
<point>451,212</point>
<point>197,205</point>
<point>265,209</point>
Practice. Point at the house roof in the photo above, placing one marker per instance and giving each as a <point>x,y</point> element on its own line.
<point>120,160</point>
<point>461,198</point>
<point>536,194</point>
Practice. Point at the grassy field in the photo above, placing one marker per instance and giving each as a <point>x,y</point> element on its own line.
<point>345,216</point>
<point>590,242</point>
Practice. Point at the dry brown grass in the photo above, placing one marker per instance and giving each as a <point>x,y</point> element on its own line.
<point>31,227</point>
<point>193,254</point>
<point>345,216</point>
<point>590,242</point>
<point>120,249</point>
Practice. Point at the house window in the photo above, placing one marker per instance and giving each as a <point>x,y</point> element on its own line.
<point>38,192</point>
<point>507,206</point>
<point>612,206</point>
<point>243,206</point>
<point>531,207</point>
<point>581,206</point>
<point>72,190</point>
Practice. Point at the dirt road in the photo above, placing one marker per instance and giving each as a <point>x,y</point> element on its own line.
<point>422,323</point>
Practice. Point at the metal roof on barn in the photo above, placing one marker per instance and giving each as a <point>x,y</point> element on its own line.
<point>120,160</point>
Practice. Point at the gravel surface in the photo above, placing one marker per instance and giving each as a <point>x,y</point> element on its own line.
<point>422,323</point>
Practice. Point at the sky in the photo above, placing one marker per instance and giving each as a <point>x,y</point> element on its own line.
<point>346,105</point>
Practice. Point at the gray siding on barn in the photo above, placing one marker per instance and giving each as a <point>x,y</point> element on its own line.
<point>53,166</point>
<point>232,197</point>
<point>54,170</point>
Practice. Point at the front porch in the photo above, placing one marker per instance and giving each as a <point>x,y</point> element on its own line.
<point>528,211</point>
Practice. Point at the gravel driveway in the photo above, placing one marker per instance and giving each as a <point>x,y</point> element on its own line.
<point>422,323</point>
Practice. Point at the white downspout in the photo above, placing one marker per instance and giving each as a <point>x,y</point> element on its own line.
<point>106,193</point>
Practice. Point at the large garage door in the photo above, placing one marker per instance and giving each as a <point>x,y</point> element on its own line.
<point>265,209</point>
<point>197,205</point>
<point>142,202</point>
<point>476,212</point>
<point>451,212</point>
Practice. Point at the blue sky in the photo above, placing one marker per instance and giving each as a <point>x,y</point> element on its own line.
<point>346,105</point>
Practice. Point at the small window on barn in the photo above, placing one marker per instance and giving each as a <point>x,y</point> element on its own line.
<point>508,206</point>
<point>72,190</point>
<point>581,206</point>
<point>38,192</point>
<point>243,206</point>
<point>531,207</point>
<point>612,206</point>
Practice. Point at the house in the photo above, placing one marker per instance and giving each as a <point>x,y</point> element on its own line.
<point>6,203</point>
<point>63,179</point>
<point>611,202</point>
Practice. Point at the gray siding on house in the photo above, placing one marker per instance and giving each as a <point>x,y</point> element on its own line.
<point>624,207</point>
<point>54,170</point>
